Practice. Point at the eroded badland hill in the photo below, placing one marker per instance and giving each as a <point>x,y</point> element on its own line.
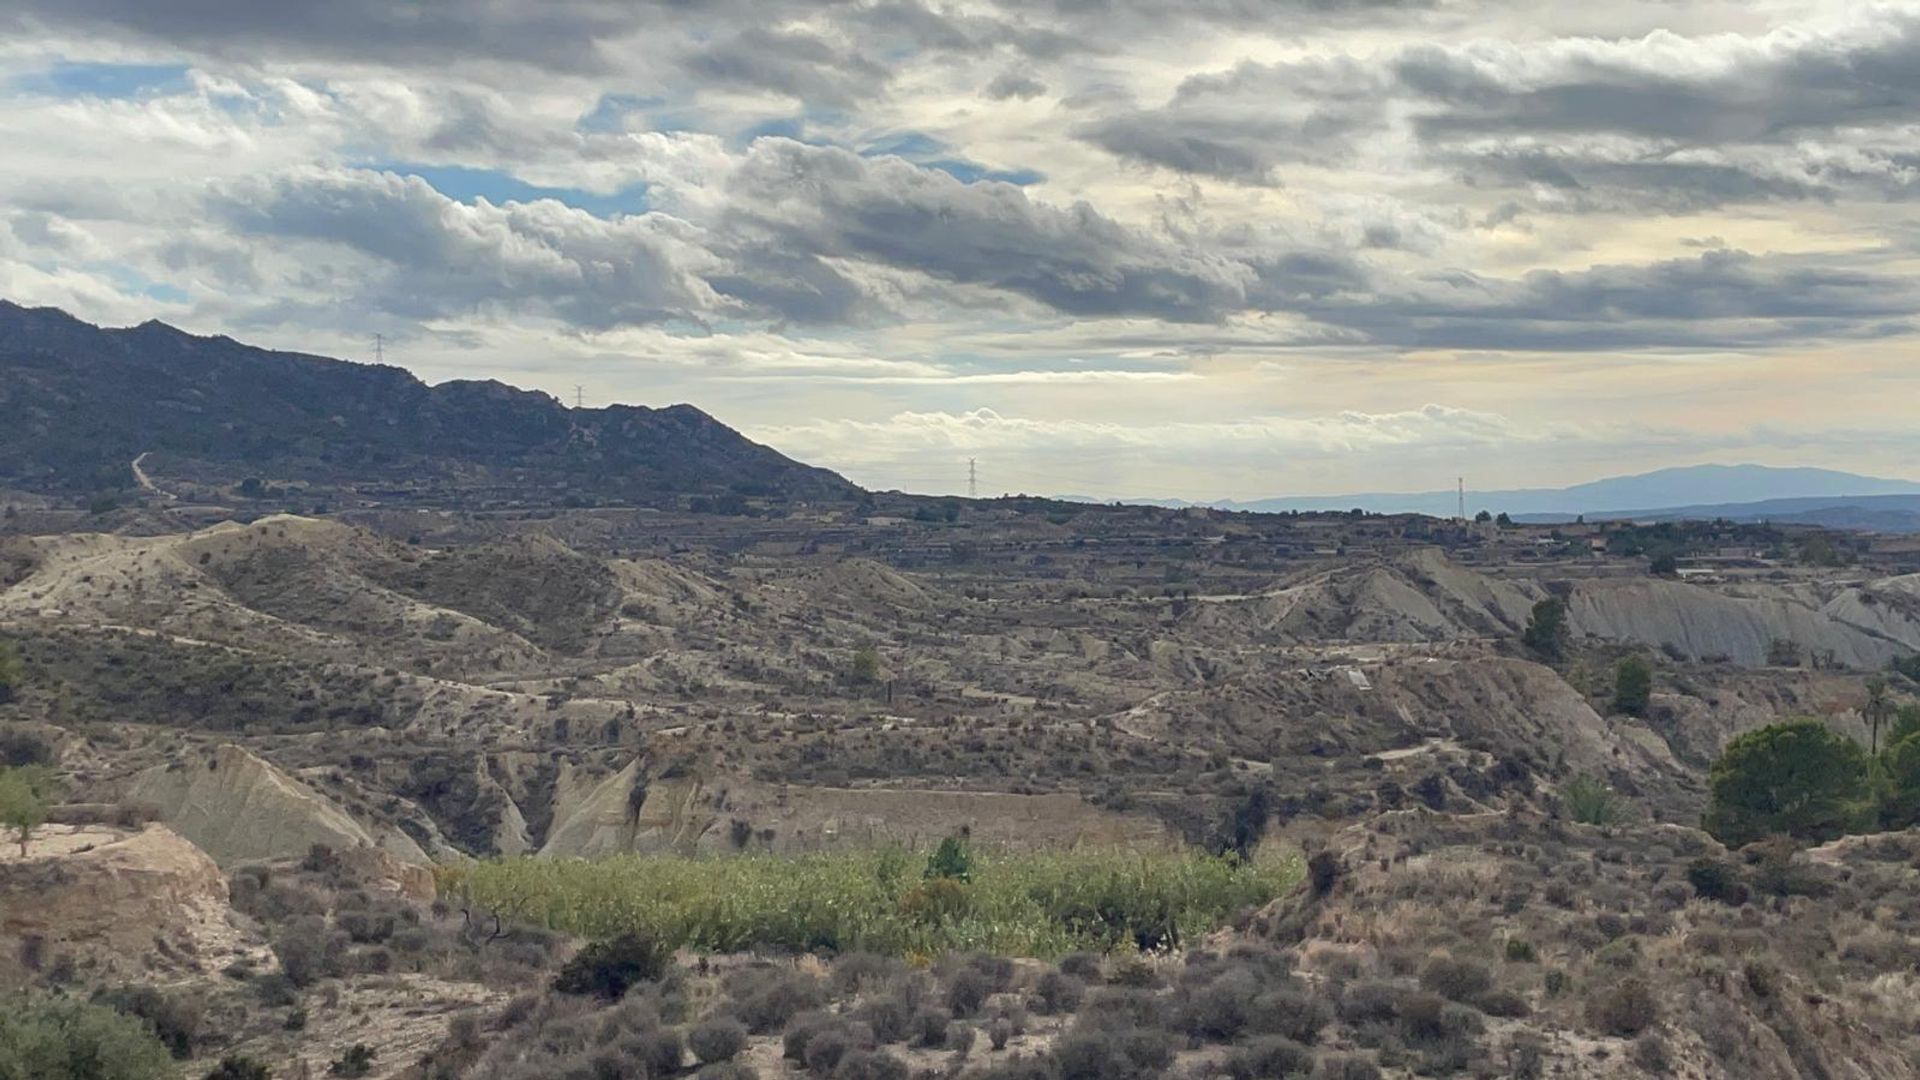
<point>273,729</point>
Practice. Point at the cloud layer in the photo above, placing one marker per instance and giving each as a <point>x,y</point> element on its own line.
<point>1174,233</point>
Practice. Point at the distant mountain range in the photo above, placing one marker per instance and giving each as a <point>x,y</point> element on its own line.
<point>1691,491</point>
<point>78,403</point>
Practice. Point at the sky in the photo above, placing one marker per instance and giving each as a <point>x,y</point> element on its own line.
<point>1171,248</point>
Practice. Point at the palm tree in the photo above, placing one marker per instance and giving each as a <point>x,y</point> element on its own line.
<point>1878,708</point>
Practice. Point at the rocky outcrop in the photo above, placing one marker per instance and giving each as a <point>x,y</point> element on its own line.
<point>112,904</point>
<point>239,808</point>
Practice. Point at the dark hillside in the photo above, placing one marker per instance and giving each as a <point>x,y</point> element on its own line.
<point>78,403</point>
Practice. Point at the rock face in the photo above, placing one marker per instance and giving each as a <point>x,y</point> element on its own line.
<point>687,815</point>
<point>1704,624</point>
<point>239,808</point>
<point>114,904</point>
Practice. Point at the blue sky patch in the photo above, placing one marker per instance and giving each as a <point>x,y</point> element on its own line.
<point>74,79</point>
<point>928,152</point>
<point>132,282</point>
<point>610,113</point>
<point>466,184</point>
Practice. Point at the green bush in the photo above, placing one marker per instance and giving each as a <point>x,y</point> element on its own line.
<point>1795,778</point>
<point>25,792</point>
<point>1632,686</point>
<point>13,673</point>
<point>1547,633</point>
<point>1900,801</point>
<point>608,968</point>
<point>62,1039</point>
<point>356,1060</point>
<point>1590,801</point>
<point>1717,879</point>
<point>240,1067</point>
<point>950,860</point>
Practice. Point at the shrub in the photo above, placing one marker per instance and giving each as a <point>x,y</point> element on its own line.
<point>1900,805</point>
<point>951,860</point>
<point>929,1027</point>
<point>801,1030</point>
<point>309,950</point>
<point>855,972</point>
<point>13,675</point>
<point>1369,1001</point>
<point>718,1039</point>
<point>1456,980</point>
<point>870,1065</point>
<point>766,999</point>
<point>1632,685</point>
<point>967,990</point>
<point>1624,1009</point>
<point>25,792</point>
<point>1269,1057</point>
<point>1520,951</point>
<point>1220,1009</point>
<point>1291,1011</point>
<point>826,1047</point>
<point>175,1018</point>
<point>1795,777</point>
<point>19,748</point>
<point>659,1049</point>
<point>1504,1003</point>
<point>890,1017</point>
<point>62,1039</point>
<point>1058,994</point>
<point>239,1067</point>
<point>960,1038</point>
<point>1717,879</point>
<point>1590,801</point>
<point>606,969</point>
<point>1084,966</point>
<point>1086,1053</point>
<point>1346,1067</point>
<point>356,1060</point>
<point>999,1032</point>
<point>1546,632</point>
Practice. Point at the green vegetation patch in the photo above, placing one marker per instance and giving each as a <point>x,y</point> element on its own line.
<point>1028,904</point>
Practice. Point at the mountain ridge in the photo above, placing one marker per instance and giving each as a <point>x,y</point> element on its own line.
<point>80,401</point>
<point>1715,485</point>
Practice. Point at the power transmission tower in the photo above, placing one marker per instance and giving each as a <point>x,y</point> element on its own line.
<point>1463,498</point>
<point>379,348</point>
<point>578,396</point>
<point>973,480</point>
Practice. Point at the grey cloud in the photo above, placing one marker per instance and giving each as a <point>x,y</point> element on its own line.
<point>798,64</point>
<point>833,204</point>
<point>806,232</point>
<point>1015,84</point>
<point>559,34</point>
<point>1664,123</point>
<point>1722,299</point>
<point>1245,123</point>
<point>572,36</point>
<point>446,257</point>
<point>1714,91</point>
